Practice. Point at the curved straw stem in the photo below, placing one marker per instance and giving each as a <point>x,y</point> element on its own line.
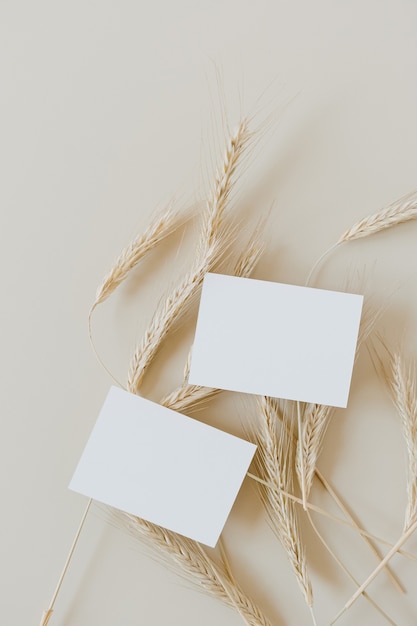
<point>319,262</point>
<point>313,618</point>
<point>98,357</point>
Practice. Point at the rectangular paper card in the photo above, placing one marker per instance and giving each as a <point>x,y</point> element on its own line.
<point>277,340</point>
<point>159,465</point>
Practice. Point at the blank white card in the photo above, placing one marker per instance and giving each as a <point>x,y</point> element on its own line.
<point>277,340</point>
<point>162,466</point>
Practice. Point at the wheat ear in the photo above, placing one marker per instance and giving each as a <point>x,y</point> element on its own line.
<point>161,227</point>
<point>316,420</point>
<point>274,462</point>
<point>403,387</point>
<point>367,537</point>
<point>402,210</point>
<point>189,396</point>
<point>316,417</point>
<point>192,560</point>
<point>213,242</point>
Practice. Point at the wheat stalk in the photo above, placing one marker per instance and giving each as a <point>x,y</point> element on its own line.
<point>403,387</point>
<point>161,227</point>
<point>164,318</point>
<point>194,562</point>
<point>402,210</point>
<point>187,397</point>
<point>274,461</point>
<point>395,548</point>
<point>213,242</point>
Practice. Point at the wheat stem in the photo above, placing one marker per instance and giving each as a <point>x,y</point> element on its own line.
<point>345,569</point>
<point>313,617</point>
<point>191,559</point>
<point>401,541</point>
<point>47,614</point>
<point>403,387</point>
<point>355,525</point>
<point>319,261</point>
<point>162,226</point>
<point>335,518</point>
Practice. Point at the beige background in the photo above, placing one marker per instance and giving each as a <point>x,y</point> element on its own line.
<point>108,109</point>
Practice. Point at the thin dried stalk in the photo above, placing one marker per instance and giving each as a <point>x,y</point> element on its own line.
<point>395,548</point>
<point>160,228</point>
<point>274,460</point>
<point>213,242</point>
<point>345,569</point>
<point>191,559</point>
<point>404,387</point>
<point>402,210</point>
<point>367,537</point>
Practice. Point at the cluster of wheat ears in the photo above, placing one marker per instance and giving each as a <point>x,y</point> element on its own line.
<point>289,435</point>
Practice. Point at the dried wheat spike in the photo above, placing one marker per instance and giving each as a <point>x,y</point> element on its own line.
<point>317,417</point>
<point>274,460</point>
<point>403,384</point>
<point>130,256</point>
<point>188,396</point>
<point>224,183</point>
<point>192,560</point>
<point>403,210</point>
<point>213,242</point>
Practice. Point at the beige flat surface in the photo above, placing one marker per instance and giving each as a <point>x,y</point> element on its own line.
<point>108,109</point>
